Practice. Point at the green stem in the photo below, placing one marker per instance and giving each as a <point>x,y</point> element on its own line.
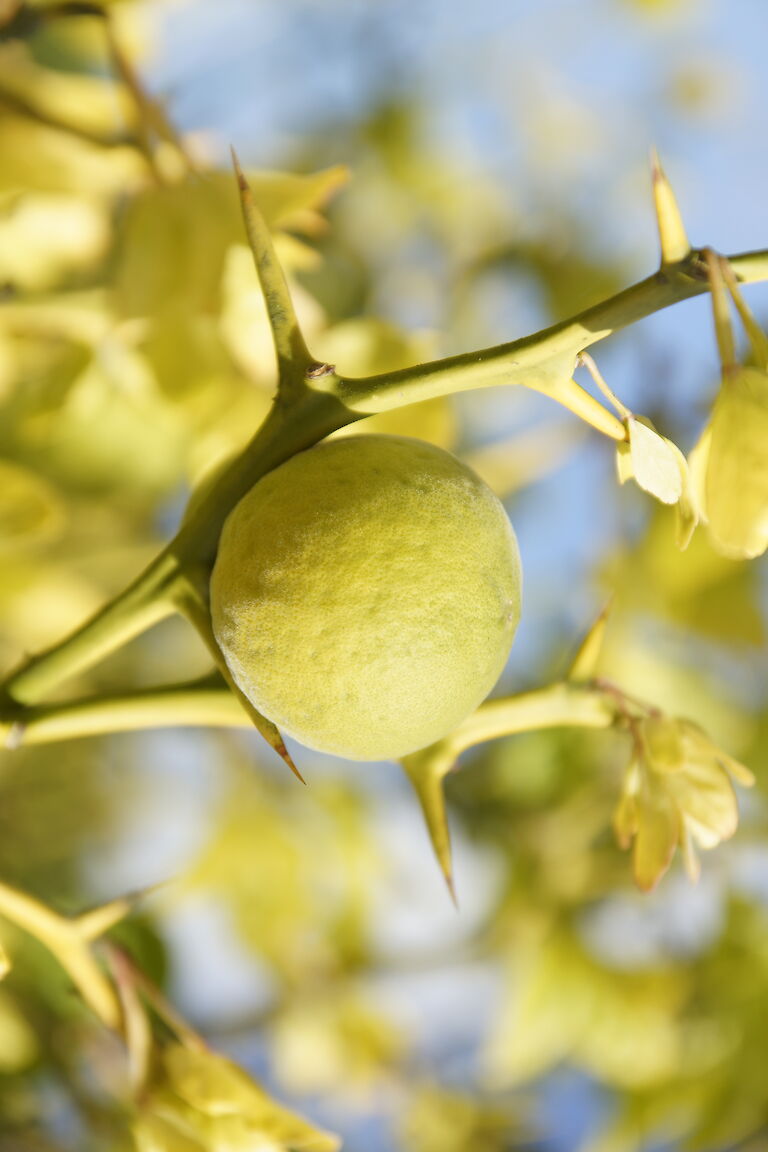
<point>207,703</point>
<point>539,361</point>
<point>201,703</point>
<point>63,938</point>
<point>533,360</point>
<point>558,706</point>
<point>145,602</point>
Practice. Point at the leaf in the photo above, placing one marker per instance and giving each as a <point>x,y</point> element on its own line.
<point>658,831</point>
<point>662,743</point>
<point>233,1105</point>
<point>736,485</point>
<point>5,962</point>
<point>651,461</point>
<point>19,1046</point>
<point>705,797</point>
<point>174,240</point>
<point>31,512</point>
<point>90,105</point>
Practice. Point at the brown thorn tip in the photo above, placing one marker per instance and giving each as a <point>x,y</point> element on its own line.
<point>657,172</point>
<point>451,889</point>
<point>242,183</point>
<point>285,754</point>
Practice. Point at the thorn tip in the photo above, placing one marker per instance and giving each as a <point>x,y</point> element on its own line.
<point>242,183</point>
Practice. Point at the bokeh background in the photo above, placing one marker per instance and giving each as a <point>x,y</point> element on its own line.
<point>499,180</point>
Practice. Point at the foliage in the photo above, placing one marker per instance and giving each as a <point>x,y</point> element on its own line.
<point>139,401</point>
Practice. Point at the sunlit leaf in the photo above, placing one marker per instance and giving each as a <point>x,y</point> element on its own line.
<point>319,1043</point>
<point>219,1090</point>
<point>44,237</point>
<point>662,743</point>
<point>736,484</point>
<point>174,240</point>
<point>679,793</point>
<point>651,461</point>
<point>658,831</point>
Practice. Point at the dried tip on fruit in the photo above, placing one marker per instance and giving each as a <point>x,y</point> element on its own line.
<point>675,245</point>
<point>283,752</point>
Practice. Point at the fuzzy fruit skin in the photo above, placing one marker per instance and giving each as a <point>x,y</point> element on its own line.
<point>366,594</point>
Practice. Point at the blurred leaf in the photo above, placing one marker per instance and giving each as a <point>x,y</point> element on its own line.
<point>174,240</point>
<point>736,487</point>
<point>31,512</point>
<point>679,792</point>
<point>91,105</point>
<point>201,1101</point>
<point>438,1119</point>
<point>320,1043</point>
<point>18,1044</point>
<point>5,962</point>
<point>561,1004</point>
<point>45,237</point>
<point>38,158</point>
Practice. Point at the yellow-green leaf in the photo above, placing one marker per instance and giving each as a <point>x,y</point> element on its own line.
<point>220,1091</point>
<point>651,460</point>
<point>31,512</point>
<point>658,831</point>
<point>737,469</point>
<point>663,743</point>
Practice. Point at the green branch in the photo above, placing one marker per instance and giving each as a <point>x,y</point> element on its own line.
<point>557,706</point>
<point>145,602</point>
<point>199,703</point>
<point>543,361</point>
<point>535,361</point>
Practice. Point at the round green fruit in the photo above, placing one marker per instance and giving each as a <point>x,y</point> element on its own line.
<point>366,594</point>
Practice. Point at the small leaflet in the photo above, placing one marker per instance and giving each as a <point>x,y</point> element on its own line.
<point>651,461</point>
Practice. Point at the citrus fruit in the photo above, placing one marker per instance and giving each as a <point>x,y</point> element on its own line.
<point>365,595</point>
